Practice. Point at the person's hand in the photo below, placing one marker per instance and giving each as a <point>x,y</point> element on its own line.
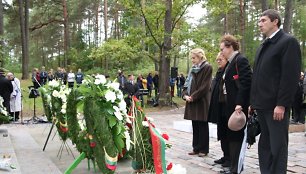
<point>238,108</point>
<point>188,98</point>
<point>279,113</point>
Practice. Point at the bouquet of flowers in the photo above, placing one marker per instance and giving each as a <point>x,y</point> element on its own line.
<point>55,104</point>
<point>4,118</point>
<point>105,118</point>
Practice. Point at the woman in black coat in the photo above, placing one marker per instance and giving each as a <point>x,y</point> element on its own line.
<point>236,91</point>
<point>216,109</point>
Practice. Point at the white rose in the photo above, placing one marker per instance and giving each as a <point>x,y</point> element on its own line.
<point>63,111</point>
<point>122,106</point>
<point>53,83</point>
<point>101,78</point>
<point>110,96</point>
<point>117,113</point>
<point>64,106</point>
<point>114,85</point>
<point>55,93</point>
<point>120,95</point>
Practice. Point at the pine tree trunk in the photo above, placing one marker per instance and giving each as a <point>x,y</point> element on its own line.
<point>264,5</point>
<point>97,23</point>
<point>288,16</point>
<point>66,32</point>
<point>24,47</point>
<point>165,58</point>
<point>242,24</point>
<point>105,33</point>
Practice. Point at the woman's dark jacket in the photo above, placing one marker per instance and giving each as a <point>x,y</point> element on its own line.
<point>200,93</point>
<point>238,91</point>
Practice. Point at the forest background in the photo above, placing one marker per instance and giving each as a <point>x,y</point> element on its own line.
<point>136,36</point>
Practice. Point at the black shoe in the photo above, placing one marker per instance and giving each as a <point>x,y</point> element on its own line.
<point>225,172</point>
<point>227,163</point>
<point>220,161</point>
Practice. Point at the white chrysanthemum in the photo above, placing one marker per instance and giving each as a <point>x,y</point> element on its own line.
<point>63,111</point>
<point>117,113</point>
<point>122,106</point>
<point>120,95</point>
<point>127,140</point>
<point>53,83</point>
<point>55,93</point>
<point>64,98</point>
<point>114,85</point>
<point>101,79</point>
<point>110,96</point>
<point>177,169</point>
<point>145,123</point>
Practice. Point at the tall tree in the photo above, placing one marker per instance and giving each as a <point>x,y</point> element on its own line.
<point>264,5</point>
<point>105,32</point>
<point>24,36</point>
<point>242,24</point>
<point>66,32</point>
<point>288,16</point>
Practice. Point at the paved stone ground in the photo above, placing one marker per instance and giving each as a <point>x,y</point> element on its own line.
<point>25,143</point>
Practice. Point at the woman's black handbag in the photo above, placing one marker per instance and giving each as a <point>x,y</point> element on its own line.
<point>253,129</point>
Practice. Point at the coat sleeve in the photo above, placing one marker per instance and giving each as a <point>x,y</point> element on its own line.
<point>204,86</point>
<point>245,78</point>
<point>290,74</point>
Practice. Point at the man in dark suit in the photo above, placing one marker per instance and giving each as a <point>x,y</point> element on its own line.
<point>6,88</point>
<point>130,89</point>
<point>276,74</point>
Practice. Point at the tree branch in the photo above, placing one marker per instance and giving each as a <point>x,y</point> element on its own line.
<point>180,15</point>
<point>148,25</point>
<point>40,25</point>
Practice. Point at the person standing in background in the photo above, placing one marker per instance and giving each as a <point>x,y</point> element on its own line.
<point>277,69</point>
<point>15,100</point>
<point>43,76</point>
<point>79,77</point>
<point>70,79</point>
<point>150,84</point>
<point>156,82</point>
<point>121,79</point>
<point>6,88</point>
<point>51,75</point>
<point>36,78</point>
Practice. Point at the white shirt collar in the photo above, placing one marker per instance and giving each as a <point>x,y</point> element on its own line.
<point>273,34</point>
